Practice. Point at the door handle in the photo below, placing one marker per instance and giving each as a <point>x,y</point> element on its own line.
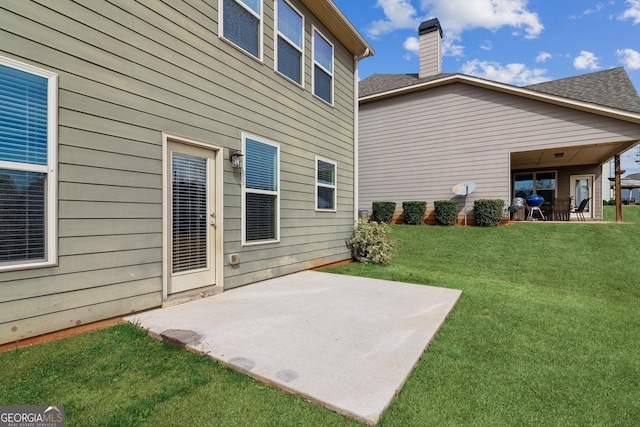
<point>213,221</point>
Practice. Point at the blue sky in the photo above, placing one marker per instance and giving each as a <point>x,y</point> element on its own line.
<point>518,42</point>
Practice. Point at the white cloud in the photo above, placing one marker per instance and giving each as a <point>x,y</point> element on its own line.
<point>598,8</point>
<point>400,15</point>
<point>629,58</point>
<point>543,57</point>
<point>515,74</point>
<point>633,12</point>
<point>412,44</point>
<point>458,16</point>
<point>586,61</point>
<point>486,45</point>
<point>450,48</point>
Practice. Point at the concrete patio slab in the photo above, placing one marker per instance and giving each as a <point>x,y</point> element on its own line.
<point>347,343</point>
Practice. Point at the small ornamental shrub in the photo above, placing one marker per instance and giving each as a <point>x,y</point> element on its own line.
<point>446,211</point>
<point>488,212</point>
<point>414,212</point>
<point>370,243</point>
<point>383,211</point>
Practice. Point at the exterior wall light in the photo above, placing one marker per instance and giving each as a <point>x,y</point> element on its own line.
<point>236,158</point>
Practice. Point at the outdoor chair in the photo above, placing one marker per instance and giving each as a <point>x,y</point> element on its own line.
<point>579,211</point>
<point>561,210</point>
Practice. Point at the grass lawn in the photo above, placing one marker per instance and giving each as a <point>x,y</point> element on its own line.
<point>546,333</point>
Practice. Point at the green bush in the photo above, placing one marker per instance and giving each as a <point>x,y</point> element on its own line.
<point>370,243</point>
<point>414,212</point>
<point>383,211</point>
<point>446,211</point>
<point>488,212</point>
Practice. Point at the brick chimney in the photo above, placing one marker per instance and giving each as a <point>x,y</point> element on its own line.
<point>430,48</point>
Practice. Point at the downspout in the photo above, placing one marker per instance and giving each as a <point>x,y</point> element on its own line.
<point>356,118</point>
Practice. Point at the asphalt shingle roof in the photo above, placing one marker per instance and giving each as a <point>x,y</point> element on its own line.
<point>610,88</point>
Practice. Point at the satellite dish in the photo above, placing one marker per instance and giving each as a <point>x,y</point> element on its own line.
<point>464,189</point>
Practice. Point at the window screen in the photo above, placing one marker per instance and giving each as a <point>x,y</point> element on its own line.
<point>241,24</point>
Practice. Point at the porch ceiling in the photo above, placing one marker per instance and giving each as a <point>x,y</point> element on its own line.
<point>588,154</point>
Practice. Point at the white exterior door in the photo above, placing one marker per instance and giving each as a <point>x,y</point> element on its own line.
<point>582,188</point>
<point>191,217</point>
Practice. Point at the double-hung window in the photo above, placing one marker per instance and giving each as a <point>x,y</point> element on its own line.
<point>28,148</point>
<point>242,24</point>
<point>326,190</point>
<point>290,41</point>
<point>322,67</point>
<point>261,191</point>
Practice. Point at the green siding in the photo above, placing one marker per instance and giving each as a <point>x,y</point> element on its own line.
<point>129,71</point>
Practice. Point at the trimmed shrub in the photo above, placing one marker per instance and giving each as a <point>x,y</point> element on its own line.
<point>383,211</point>
<point>370,243</point>
<point>414,212</point>
<point>488,212</point>
<point>446,211</point>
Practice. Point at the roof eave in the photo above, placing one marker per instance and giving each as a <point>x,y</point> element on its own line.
<point>505,88</point>
<point>340,26</point>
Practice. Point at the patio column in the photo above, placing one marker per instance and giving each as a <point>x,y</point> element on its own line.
<point>618,196</point>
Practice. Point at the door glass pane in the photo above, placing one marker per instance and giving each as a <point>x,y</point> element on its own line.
<point>581,191</point>
<point>189,176</point>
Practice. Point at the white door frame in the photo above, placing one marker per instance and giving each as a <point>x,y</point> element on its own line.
<point>591,204</point>
<point>167,203</point>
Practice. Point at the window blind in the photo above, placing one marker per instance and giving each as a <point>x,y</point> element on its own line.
<point>23,117</point>
<point>189,176</point>
<point>22,213</point>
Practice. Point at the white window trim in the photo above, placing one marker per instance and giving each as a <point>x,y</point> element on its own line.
<point>330,72</point>
<point>277,34</point>
<point>335,186</point>
<point>51,255</point>
<point>260,31</point>
<point>246,136</point>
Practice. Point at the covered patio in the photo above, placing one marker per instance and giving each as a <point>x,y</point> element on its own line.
<point>565,177</point>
